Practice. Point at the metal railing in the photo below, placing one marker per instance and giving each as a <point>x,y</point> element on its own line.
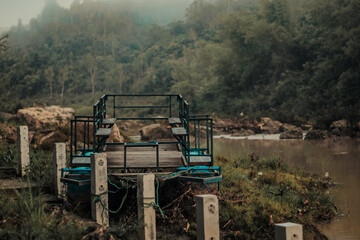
<point>84,128</point>
<point>202,125</point>
<point>166,104</point>
<point>81,129</point>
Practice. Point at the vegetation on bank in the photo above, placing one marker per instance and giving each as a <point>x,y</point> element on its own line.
<point>290,60</point>
<point>254,194</point>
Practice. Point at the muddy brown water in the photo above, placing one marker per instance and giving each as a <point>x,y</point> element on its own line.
<point>339,157</point>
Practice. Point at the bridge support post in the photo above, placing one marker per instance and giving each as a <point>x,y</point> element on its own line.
<point>146,211</point>
<point>59,151</point>
<point>23,148</point>
<point>288,231</point>
<point>207,217</point>
<point>99,189</point>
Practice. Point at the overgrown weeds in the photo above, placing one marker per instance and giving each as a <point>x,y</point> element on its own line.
<point>25,215</point>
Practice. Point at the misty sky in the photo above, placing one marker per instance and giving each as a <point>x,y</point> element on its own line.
<point>12,10</point>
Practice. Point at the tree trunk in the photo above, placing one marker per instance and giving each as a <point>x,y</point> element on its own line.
<point>62,91</point>
<point>92,75</point>
<point>50,83</point>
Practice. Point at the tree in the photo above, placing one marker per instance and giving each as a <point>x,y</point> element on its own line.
<point>64,75</point>
<point>3,43</point>
<point>92,68</point>
<point>49,74</point>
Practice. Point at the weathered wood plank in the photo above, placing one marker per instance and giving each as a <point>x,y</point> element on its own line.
<point>174,121</point>
<point>133,175</point>
<point>179,131</point>
<point>162,147</point>
<point>16,183</point>
<point>109,121</point>
<point>103,132</point>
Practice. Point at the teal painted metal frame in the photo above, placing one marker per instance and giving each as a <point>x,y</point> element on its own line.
<point>99,114</point>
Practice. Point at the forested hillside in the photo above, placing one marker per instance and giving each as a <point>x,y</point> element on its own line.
<point>293,60</point>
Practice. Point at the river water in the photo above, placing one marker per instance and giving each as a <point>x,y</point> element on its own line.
<point>339,157</point>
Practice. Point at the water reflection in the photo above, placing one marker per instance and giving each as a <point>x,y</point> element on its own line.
<point>339,157</point>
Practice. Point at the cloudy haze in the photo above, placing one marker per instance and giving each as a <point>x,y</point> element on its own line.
<point>13,10</point>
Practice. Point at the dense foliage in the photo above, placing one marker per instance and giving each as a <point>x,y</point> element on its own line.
<point>293,60</point>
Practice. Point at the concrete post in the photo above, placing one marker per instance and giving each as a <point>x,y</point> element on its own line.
<point>99,188</point>
<point>207,217</point>
<point>59,151</point>
<point>288,231</point>
<point>23,148</point>
<point>146,212</point>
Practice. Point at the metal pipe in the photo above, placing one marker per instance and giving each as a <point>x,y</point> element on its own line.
<point>75,143</point>
<point>94,129</point>
<point>71,142</point>
<point>142,95</point>
<point>207,135</point>
<point>114,106</point>
<point>212,143</point>
<point>141,118</point>
<point>84,135</point>
<point>125,158</point>
<point>160,106</point>
<point>157,158</point>
<point>170,107</point>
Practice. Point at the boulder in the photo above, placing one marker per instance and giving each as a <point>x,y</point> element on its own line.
<point>115,135</point>
<point>40,117</point>
<point>339,124</point>
<point>7,116</point>
<point>292,134</point>
<point>340,128</point>
<point>267,125</point>
<point>306,126</point>
<point>288,127</point>
<point>7,133</point>
<point>317,134</point>
<point>155,131</point>
<point>47,141</point>
<point>243,132</point>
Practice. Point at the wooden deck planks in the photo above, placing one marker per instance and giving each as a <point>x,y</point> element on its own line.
<point>144,157</point>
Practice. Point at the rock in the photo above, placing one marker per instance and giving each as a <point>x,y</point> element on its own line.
<point>243,132</point>
<point>267,125</point>
<point>341,128</point>
<point>115,135</point>
<point>288,127</point>
<point>339,124</point>
<point>40,117</point>
<point>306,127</point>
<point>7,116</point>
<point>292,134</point>
<point>47,141</point>
<point>8,133</point>
<point>155,131</point>
<point>317,134</point>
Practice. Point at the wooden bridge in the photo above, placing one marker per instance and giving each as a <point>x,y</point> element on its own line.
<point>90,134</point>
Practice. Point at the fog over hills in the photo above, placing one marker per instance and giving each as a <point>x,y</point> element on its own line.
<point>164,10</point>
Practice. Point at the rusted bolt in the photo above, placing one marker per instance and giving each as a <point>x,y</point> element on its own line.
<point>211,208</point>
<point>101,162</point>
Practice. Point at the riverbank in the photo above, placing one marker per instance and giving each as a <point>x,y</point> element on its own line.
<point>243,127</point>
<point>255,193</point>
